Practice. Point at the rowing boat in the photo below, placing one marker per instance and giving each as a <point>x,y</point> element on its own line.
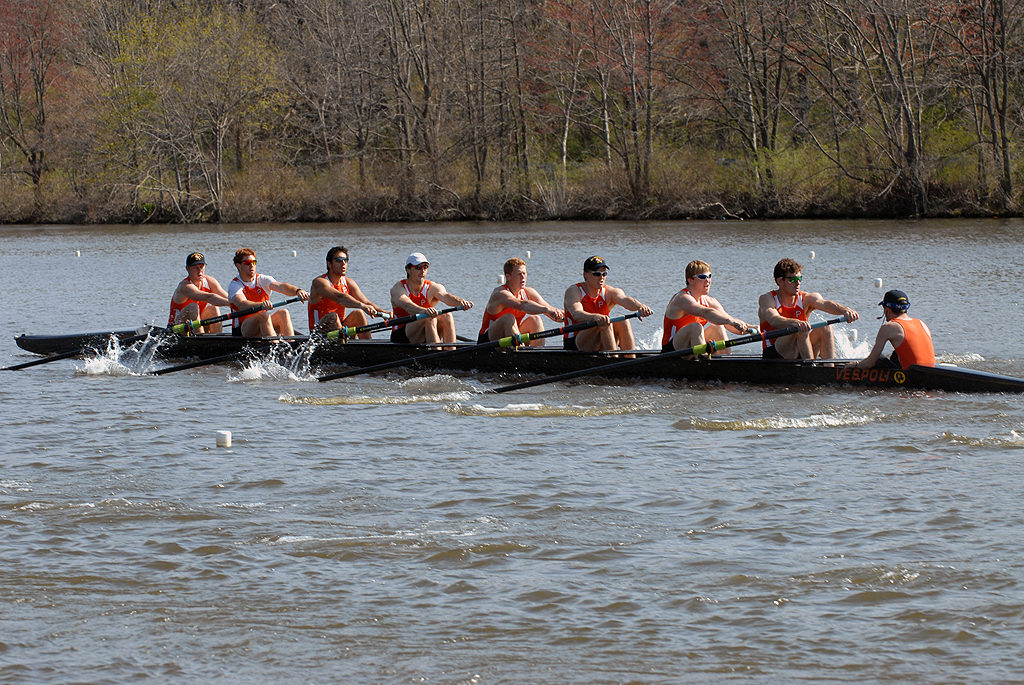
<point>550,360</point>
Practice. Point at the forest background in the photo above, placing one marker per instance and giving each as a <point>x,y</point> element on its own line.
<point>364,110</point>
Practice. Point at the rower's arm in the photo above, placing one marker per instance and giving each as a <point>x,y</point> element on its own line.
<point>618,297</point>
<point>767,313</point>
<point>888,332</point>
<point>191,292</point>
<point>322,288</point>
<point>289,289</point>
<point>399,298</point>
<point>832,307</point>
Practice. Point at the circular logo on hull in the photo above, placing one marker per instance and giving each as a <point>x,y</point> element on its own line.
<point>900,377</point>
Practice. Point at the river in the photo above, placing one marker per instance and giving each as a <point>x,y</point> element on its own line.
<point>402,527</point>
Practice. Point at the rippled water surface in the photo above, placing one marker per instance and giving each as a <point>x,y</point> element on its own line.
<point>414,528</point>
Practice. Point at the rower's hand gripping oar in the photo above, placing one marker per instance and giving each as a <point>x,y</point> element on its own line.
<point>180,328</point>
<point>353,331</point>
<point>509,341</point>
<point>705,348</point>
<point>192,326</point>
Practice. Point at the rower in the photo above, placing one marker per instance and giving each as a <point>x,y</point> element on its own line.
<point>197,296</point>
<point>693,317</point>
<point>332,292</point>
<point>515,308</point>
<point>415,294</point>
<point>592,299</point>
<point>250,289</point>
<point>910,338</point>
<point>790,306</point>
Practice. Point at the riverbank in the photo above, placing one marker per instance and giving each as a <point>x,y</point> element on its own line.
<point>594,194</point>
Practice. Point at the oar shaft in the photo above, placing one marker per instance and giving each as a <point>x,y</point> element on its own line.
<point>353,331</point>
<point>524,338</point>
<point>695,350</point>
<point>502,342</point>
<point>69,354</point>
<point>182,327</point>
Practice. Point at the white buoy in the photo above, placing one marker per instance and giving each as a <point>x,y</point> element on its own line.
<point>878,282</point>
<point>853,335</point>
<point>294,253</point>
<point>78,253</point>
<point>223,438</point>
<point>501,279</point>
<point>812,254</point>
<point>527,254</point>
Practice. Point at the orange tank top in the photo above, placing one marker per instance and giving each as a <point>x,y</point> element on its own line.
<point>253,293</point>
<point>794,311</point>
<point>673,326</point>
<point>490,318</point>
<point>917,347</point>
<point>175,307</point>
<point>325,306</point>
<point>419,298</point>
<point>598,304</point>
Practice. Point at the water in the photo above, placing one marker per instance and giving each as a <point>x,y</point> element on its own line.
<point>396,528</point>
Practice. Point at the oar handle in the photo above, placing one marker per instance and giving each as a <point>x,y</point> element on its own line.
<point>353,331</point>
<point>199,323</point>
<point>695,350</point>
<point>523,338</point>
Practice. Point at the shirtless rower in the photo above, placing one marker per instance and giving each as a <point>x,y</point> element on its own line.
<point>790,306</point>
<point>910,338</point>
<point>414,294</point>
<point>592,300</point>
<point>197,296</point>
<point>332,292</point>
<point>250,289</point>
<point>515,308</point>
<point>693,317</point>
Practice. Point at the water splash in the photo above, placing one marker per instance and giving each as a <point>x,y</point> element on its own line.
<point>348,400</point>
<point>959,359</point>
<point>1013,440</point>
<point>847,346</point>
<point>134,360</point>
<point>545,410</point>
<point>838,420</point>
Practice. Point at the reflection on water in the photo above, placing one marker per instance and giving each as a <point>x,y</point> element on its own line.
<point>412,526</point>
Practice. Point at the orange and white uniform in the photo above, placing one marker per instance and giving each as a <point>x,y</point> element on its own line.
<point>491,318</point>
<point>419,298</point>
<point>795,311</point>
<point>673,326</point>
<point>256,290</point>
<point>325,306</point>
<point>917,346</point>
<point>598,304</point>
<point>175,307</point>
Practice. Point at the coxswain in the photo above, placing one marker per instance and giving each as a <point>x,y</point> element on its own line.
<point>910,338</point>
<point>332,292</point>
<point>593,299</point>
<point>197,296</point>
<point>789,306</point>
<point>693,317</point>
<point>515,308</point>
<point>250,289</point>
<point>415,294</point>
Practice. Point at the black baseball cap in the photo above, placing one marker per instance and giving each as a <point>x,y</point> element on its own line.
<point>195,258</point>
<point>593,263</point>
<point>896,299</point>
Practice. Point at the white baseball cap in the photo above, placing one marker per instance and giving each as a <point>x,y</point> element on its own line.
<point>415,259</point>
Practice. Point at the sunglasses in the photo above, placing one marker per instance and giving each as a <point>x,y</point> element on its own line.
<point>421,267</point>
<point>341,260</point>
<point>248,261</point>
<point>794,279</point>
<point>599,274</point>
<point>703,277</point>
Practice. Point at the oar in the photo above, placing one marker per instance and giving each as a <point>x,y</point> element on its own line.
<point>353,331</point>
<point>710,346</point>
<point>176,328</point>
<point>501,342</point>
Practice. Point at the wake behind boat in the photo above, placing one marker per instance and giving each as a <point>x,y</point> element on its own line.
<point>510,362</point>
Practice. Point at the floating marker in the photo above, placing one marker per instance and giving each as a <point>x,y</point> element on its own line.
<point>78,253</point>
<point>853,335</point>
<point>527,254</point>
<point>812,254</point>
<point>294,253</point>
<point>501,279</point>
<point>878,282</point>
<point>223,438</point>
